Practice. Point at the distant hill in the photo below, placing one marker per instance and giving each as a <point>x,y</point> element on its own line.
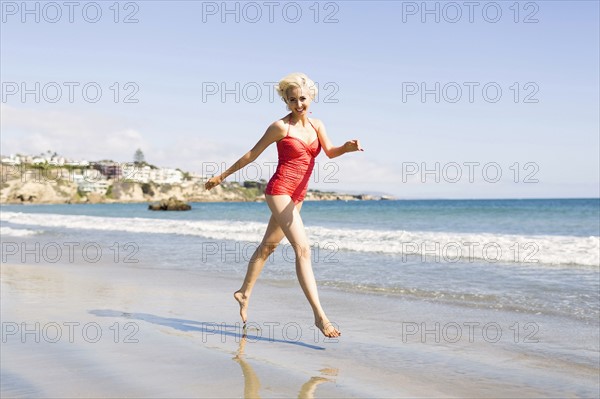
<point>56,188</point>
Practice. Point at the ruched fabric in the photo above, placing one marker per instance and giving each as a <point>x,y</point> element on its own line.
<point>294,167</point>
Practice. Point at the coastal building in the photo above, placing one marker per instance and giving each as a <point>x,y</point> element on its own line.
<point>99,187</point>
<point>146,174</point>
<point>112,170</point>
<point>166,176</point>
<point>11,160</point>
<point>90,176</point>
<point>47,158</point>
<point>91,184</point>
<point>136,173</point>
<point>56,161</point>
<point>82,164</point>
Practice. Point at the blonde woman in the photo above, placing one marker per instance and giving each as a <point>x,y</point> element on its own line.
<point>299,140</point>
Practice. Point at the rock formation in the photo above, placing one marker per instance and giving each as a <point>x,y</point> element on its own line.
<point>50,188</point>
<point>172,204</point>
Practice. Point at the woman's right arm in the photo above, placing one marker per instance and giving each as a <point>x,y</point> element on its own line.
<point>274,132</point>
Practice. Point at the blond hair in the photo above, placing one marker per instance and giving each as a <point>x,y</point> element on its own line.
<point>299,80</point>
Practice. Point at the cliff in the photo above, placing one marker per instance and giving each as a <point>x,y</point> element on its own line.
<point>32,189</point>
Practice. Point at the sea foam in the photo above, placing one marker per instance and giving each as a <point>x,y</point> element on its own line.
<point>437,246</point>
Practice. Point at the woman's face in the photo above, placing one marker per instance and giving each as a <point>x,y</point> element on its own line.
<point>298,100</point>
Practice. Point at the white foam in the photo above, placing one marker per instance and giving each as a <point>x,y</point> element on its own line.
<point>7,231</point>
<point>443,246</point>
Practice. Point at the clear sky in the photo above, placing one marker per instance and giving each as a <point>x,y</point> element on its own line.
<point>517,87</point>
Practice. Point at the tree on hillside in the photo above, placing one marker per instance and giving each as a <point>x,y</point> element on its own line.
<point>138,157</point>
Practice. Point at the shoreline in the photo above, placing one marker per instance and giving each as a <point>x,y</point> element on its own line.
<point>61,189</point>
<point>186,324</point>
<point>261,200</point>
<point>312,196</point>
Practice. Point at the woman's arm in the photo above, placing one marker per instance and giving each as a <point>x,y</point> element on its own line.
<point>273,133</point>
<point>330,150</point>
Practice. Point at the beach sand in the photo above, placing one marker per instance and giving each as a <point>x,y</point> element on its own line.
<point>84,330</point>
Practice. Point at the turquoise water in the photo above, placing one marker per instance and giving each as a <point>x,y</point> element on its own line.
<point>533,256</point>
<point>573,217</point>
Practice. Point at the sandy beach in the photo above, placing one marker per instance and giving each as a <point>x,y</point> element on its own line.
<point>103,330</point>
<point>449,153</point>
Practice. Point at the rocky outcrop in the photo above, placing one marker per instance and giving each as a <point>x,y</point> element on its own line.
<point>172,204</point>
<point>127,192</point>
<point>333,196</point>
<point>38,191</point>
<point>25,189</point>
<point>46,189</point>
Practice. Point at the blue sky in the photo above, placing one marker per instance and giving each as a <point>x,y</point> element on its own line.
<point>544,144</point>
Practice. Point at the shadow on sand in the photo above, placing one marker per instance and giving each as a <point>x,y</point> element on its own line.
<point>252,383</point>
<point>208,328</point>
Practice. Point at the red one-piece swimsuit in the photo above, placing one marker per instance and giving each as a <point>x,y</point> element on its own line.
<point>295,165</point>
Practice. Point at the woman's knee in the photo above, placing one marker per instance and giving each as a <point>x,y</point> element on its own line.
<point>301,250</point>
<point>265,249</point>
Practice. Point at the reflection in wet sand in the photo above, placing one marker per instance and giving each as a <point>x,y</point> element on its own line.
<point>308,389</point>
<point>252,382</point>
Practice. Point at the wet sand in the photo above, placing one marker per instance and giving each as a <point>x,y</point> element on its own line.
<point>114,331</point>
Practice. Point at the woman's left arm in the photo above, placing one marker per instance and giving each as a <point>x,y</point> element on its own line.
<point>330,150</point>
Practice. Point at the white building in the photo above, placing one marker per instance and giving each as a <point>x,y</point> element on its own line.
<point>54,160</point>
<point>145,174</point>
<point>166,176</point>
<point>12,160</point>
<point>136,173</point>
<point>91,182</point>
<point>99,187</point>
<point>77,163</point>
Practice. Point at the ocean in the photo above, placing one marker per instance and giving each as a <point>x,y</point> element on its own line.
<point>532,256</point>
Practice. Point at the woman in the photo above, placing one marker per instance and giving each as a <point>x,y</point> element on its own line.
<point>299,140</point>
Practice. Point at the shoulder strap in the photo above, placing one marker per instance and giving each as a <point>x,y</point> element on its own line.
<point>313,126</point>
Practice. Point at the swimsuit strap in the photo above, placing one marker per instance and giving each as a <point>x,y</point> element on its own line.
<point>290,124</point>
<point>313,126</point>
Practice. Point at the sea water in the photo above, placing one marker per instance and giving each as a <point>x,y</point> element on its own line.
<point>534,256</point>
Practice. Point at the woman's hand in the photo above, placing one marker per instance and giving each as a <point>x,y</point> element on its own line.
<point>213,182</point>
<point>352,145</point>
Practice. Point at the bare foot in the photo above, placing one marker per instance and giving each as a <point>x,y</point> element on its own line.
<point>243,301</point>
<point>327,328</point>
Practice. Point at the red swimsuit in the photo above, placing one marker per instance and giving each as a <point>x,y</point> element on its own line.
<point>296,162</point>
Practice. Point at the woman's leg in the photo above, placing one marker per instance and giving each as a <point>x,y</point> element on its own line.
<point>270,240</point>
<point>288,217</point>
